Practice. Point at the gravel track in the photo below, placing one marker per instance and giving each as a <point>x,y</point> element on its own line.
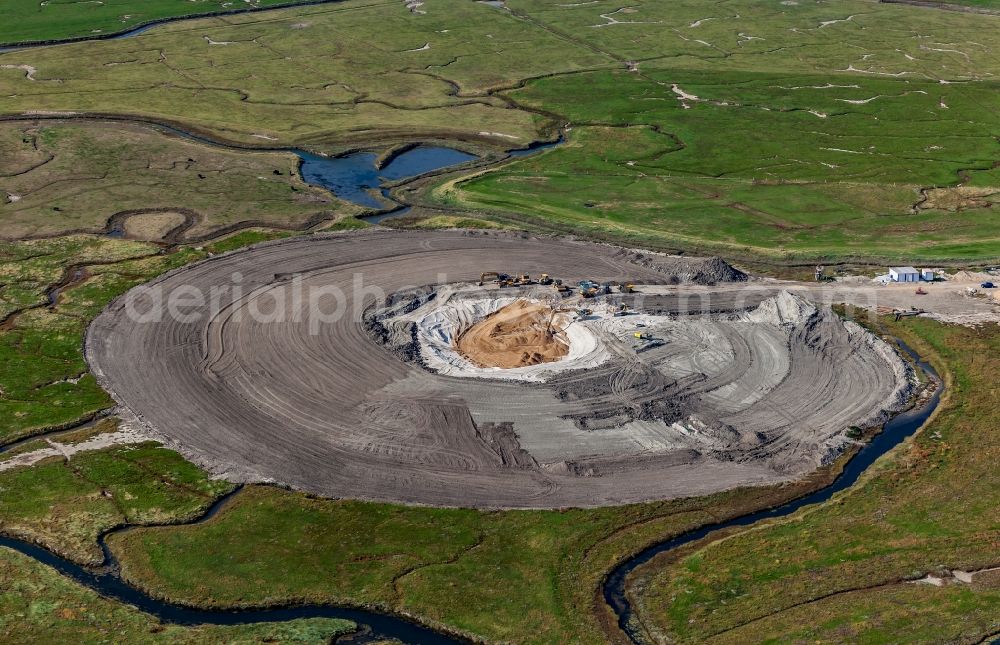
<point>728,400</point>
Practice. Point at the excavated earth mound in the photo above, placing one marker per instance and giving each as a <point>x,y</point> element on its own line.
<point>329,364</point>
<point>519,334</point>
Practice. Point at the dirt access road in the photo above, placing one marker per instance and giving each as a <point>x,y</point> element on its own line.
<point>253,386</point>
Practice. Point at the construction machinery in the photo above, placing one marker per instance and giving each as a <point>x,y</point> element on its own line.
<point>643,335</point>
<point>563,290</point>
<point>582,311</point>
<point>626,287</point>
<point>902,313</point>
<point>545,279</point>
<point>494,276</point>
<point>549,329</point>
<point>621,310</point>
<point>588,288</point>
<point>524,279</point>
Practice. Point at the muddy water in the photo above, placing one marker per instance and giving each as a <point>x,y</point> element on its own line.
<point>894,432</point>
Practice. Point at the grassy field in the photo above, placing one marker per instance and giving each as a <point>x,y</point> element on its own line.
<point>760,165</point>
<point>46,383</point>
<point>518,576</point>
<point>841,572</point>
<point>340,75</point>
<point>63,176</point>
<point>785,132</point>
<point>29,20</point>
<point>980,4</point>
<point>39,605</point>
<point>65,504</point>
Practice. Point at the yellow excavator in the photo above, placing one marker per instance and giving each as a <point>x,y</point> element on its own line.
<point>488,275</point>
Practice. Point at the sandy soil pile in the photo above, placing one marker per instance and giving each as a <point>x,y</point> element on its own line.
<point>522,333</point>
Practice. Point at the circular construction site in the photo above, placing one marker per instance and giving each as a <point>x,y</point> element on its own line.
<point>395,366</point>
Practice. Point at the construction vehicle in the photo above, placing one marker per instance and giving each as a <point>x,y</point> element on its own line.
<point>588,288</point>
<point>489,275</point>
<point>902,313</point>
<point>605,288</point>
<point>562,289</point>
<point>643,335</point>
<point>621,310</point>
<point>584,312</point>
<point>545,279</point>
<point>524,279</point>
<point>495,277</point>
<point>626,287</point>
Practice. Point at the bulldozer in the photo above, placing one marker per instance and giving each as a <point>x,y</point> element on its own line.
<point>545,279</point>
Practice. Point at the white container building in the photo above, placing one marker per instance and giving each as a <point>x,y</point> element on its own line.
<point>904,274</point>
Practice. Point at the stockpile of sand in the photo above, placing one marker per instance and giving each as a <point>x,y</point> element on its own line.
<point>522,333</point>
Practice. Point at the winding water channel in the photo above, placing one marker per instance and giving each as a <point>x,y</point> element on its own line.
<point>895,431</point>
<point>355,177</point>
<point>107,580</point>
